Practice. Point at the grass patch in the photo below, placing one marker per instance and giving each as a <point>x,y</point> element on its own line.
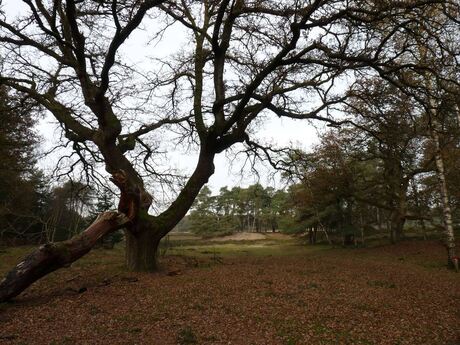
<point>382,284</point>
<point>232,249</point>
<point>186,336</point>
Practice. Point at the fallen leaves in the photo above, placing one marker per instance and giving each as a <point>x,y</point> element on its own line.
<point>364,296</point>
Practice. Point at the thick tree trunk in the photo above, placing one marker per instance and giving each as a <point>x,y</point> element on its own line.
<point>141,251</point>
<point>396,193</point>
<point>52,256</point>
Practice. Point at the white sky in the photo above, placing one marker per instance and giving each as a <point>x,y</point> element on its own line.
<point>279,131</point>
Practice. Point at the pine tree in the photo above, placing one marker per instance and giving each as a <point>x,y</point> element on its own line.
<point>19,180</point>
<point>105,203</point>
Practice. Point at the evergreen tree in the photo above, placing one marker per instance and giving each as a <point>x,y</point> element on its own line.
<point>104,202</point>
<point>22,192</point>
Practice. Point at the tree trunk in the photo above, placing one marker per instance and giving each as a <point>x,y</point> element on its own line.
<point>449,237</point>
<point>323,228</point>
<point>142,242</point>
<point>423,226</point>
<point>419,210</point>
<point>141,251</point>
<point>379,221</point>
<point>398,220</point>
<point>435,128</point>
<point>52,256</point>
<point>398,214</point>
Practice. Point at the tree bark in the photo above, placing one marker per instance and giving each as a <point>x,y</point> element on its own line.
<point>141,251</point>
<point>449,237</point>
<point>143,232</point>
<point>419,210</point>
<point>52,256</point>
<point>398,219</point>
<point>397,185</point>
<point>167,220</point>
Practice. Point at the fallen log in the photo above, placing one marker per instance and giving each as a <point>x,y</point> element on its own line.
<point>52,256</point>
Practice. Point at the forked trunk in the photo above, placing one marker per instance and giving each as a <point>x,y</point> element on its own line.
<point>143,240</point>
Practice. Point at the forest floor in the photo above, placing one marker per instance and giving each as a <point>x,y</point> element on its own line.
<point>271,291</point>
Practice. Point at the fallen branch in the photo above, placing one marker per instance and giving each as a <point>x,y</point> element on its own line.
<point>52,256</point>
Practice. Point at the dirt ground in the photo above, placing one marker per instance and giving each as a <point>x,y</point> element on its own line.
<point>388,295</point>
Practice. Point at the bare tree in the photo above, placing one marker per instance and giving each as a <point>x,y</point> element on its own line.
<point>247,60</point>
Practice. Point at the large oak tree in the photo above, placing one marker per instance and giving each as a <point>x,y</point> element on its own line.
<point>246,59</point>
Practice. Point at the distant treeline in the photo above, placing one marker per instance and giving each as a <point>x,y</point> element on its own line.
<point>253,209</point>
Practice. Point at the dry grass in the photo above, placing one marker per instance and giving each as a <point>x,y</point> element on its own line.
<point>267,293</point>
